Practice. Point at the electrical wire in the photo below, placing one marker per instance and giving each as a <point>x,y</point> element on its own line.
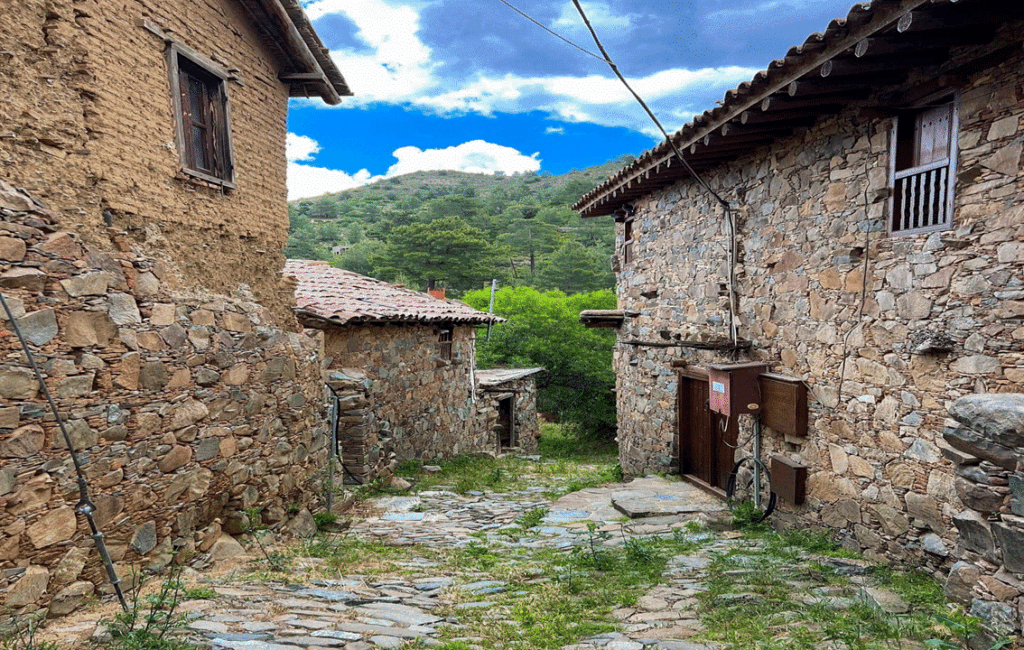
<point>548,30</point>
<point>729,212</point>
<point>85,505</point>
<point>863,294</point>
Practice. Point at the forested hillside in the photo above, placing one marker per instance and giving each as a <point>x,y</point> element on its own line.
<point>460,231</point>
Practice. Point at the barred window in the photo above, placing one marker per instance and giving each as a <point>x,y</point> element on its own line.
<point>444,342</point>
<point>922,171</point>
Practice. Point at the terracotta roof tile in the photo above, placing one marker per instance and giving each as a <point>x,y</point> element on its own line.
<point>340,297</point>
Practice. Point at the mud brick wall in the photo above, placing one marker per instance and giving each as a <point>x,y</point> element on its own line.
<point>423,404</point>
<point>878,478</point>
<point>184,407</point>
<point>86,126</point>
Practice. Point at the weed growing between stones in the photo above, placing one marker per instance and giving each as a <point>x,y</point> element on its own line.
<point>799,590</point>
<point>151,622</point>
<point>21,635</point>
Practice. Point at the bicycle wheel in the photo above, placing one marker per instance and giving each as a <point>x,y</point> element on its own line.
<point>739,490</point>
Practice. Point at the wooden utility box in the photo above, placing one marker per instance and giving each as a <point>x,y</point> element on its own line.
<point>788,479</point>
<point>784,404</point>
<point>733,388</point>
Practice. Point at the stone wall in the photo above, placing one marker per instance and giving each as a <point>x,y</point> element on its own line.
<point>423,404</point>
<point>365,455</point>
<point>86,126</point>
<point>877,477</point>
<point>183,407</point>
<point>523,392</point>
<point>988,451</point>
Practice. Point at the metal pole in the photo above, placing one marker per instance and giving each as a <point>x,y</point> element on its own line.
<point>85,505</point>
<point>490,309</point>
<point>757,461</point>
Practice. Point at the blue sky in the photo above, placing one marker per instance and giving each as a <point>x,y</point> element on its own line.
<point>470,85</point>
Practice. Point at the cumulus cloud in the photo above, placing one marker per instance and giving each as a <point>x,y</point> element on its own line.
<point>398,68</point>
<point>474,157</point>
<point>300,147</point>
<point>558,130</point>
<point>398,64</point>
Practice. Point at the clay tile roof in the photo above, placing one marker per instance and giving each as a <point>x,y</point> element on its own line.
<point>876,46</point>
<point>327,295</point>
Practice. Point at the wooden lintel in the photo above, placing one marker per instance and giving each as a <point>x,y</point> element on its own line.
<point>298,77</point>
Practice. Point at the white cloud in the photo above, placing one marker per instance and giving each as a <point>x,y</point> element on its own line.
<point>595,99</point>
<point>560,130</point>
<point>399,65</point>
<point>474,157</point>
<point>305,181</point>
<point>400,69</point>
<point>599,15</point>
<point>300,147</point>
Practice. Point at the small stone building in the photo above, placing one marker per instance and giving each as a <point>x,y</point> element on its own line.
<point>402,366</point>
<point>142,220</point>
<point>871,257</point>
<point>508,406</point>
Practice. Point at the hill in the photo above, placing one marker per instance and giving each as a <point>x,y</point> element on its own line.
<point>459,230</point>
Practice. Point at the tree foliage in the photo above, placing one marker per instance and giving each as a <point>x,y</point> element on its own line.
<point>543,329</point>
<point>447,252</point>
<point>395,229</point>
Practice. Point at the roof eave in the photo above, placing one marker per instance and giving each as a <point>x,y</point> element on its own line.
<point>314,71</point>
<point>863,21</point>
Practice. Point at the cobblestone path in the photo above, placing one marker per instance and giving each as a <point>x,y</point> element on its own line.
<point>407,607</point>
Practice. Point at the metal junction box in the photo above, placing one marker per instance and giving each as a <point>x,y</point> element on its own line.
<point>733,388</point>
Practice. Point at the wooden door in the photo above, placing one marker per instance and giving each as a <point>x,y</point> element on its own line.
<point>703,452</point>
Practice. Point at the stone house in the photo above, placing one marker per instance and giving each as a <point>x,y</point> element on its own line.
<point>871,254</point>
<point>142,218</point>
<point>401,365</point>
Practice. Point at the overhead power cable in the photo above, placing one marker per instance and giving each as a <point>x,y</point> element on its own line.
<point>729,212</point>
<point>549,30</point>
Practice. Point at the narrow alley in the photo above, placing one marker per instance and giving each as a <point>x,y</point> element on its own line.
<point>650,564</point>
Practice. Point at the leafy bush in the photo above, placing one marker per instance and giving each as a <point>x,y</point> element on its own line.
<point>543,329</point>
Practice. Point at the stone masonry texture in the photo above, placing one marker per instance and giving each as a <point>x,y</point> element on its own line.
<point>182,408</point>
<point>153,300</point>
<point>879,476</point>
<point>423,405</point>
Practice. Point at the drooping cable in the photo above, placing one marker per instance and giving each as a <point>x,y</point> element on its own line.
<point>729,213</point>
<point>549,30</point>
<point>85,505</point>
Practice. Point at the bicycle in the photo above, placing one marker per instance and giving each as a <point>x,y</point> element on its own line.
<point>749,484</point>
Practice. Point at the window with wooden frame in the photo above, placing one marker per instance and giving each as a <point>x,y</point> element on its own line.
<point>200,100</point>
<point>922,169</point>
<point>627,240</point>
<point>445,336</point>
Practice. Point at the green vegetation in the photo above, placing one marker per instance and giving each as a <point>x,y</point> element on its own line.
<point>21,635</point>
<point>152,622</point>
<point>543,329</point>
<point>461,230</point>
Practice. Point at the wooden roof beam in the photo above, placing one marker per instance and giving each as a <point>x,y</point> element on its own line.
<point>786,102</point>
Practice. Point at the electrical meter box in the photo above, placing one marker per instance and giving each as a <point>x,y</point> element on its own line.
<point>734,388</point>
